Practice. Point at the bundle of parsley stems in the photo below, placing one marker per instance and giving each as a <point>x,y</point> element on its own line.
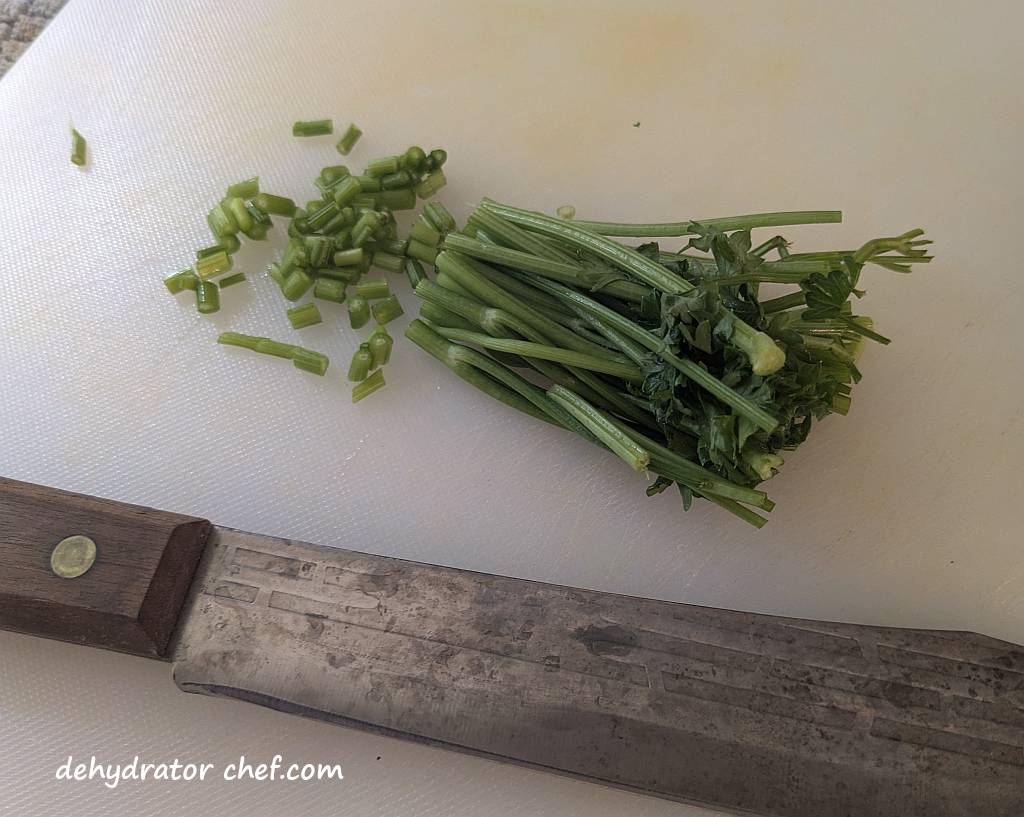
<point>669,360</point>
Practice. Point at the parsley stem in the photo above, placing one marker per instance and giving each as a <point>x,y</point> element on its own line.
<point>653,343</point>
<point>681,228</point>
<point>566,273</point>
<point>525,348</point>
<point>461,360</point>
<point>469,278</point>
<point>610,435</point>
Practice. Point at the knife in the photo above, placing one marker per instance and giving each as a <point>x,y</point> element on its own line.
<point>739,711</point>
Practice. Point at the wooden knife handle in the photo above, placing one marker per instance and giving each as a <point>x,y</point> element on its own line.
<point>128,600</point>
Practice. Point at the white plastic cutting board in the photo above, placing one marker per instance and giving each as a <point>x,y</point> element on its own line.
<point>904,513</point>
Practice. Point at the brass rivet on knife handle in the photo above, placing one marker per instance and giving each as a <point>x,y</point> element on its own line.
<point>73,556</point>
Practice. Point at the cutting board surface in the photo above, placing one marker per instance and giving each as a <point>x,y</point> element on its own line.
<point>903,513</point>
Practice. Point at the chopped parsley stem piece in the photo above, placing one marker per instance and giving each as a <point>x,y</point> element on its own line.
<point>180,281</point>
<point>422,252</point>
<point>358,311</point>
<point>313,127</point>
<point>373,288</point>
<point>310,361</point>
<point>246,189</point>
<point>213,263</point>
<point>348,258</point>
<point>414,272</point>
<point>380,343</point>
<point>346,190</point>
<point>329,289</point>
<point>388,261</point>
<point>382,166</point>
<point>439,217</point>
<point>302,316</point>
<point>348,139</point>
<point>386,310</point>
<point>296,284</point>
<point>207,297</point>
<point>425,234</point>
<point>362,362</point>
<point>77,148</point>
<point>275,205</point>
<point>375,382</point>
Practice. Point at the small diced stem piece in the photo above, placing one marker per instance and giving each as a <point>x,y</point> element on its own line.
<point>348,258</point>
<point>236,207</point>
<point>221,222</point>
<point>413,158</point>
<point>373,289</point>
<point>431,183</point>
<point>313,127</point>
<point>358,311</point>
<point>388,261</point>
<point>77,148</point>
<point>373,383</point>
<point>180,281</point>
<point>368,184</point>
<point>275,205</point>
<point>380,343</point>
<point>230,243</point>
<point>212,265</point>
<point>381,166</point>
<point>404,199</point>
<point>207,297</point>
<point>397,180</point>
<point>424,233</point>
<point>439,217</point>
<point>320,217</point>
<point>348,139</point>
<point>393,246</point>
<point>302,316</point>
<point>566,211</point>
<point>424,252</point>
<point>238,339</point>
<point>414,272</point>
<point>334,173</point>
<point>296,284</point>
<point>387,310</point>
<point>231,280</point>
<point>319,249</point>
<point>310,361</point>
<point>346,190</point>
<point>329,289</point>
<point>362,362</point>
<point>246,189</point>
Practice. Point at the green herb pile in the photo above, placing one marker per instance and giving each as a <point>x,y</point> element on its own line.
<point>334,240</point>
<point>670,360</point>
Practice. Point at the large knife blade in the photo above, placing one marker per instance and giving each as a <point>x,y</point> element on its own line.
<point>746,712</point>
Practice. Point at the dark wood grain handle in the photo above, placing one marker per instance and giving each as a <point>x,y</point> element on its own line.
<point>128,600</point>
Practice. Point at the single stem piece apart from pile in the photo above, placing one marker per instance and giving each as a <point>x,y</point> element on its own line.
<point>669,360</point>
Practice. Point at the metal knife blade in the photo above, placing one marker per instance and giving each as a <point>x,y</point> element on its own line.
<point>750,713</point>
